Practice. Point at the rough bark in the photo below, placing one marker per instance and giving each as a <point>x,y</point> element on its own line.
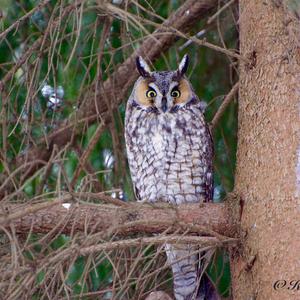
<point>268,146</point>
<point>124,220</point>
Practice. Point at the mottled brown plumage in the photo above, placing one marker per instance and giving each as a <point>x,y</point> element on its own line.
<point>170,151</point>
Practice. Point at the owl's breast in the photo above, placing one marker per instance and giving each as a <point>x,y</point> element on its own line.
<point>167,157</point>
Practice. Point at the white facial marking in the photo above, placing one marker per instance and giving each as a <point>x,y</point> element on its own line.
<point>154,86</point>
<point>172,85</point>
<point>144,65</point>
<point>182,63</point>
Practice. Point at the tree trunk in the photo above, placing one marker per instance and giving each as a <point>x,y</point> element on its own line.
<point>268,163</point>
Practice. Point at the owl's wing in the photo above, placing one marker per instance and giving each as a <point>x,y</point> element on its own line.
<point>209,182</point>
<point>133,172</point>
<point>136,193</point>
<point>209,179</point>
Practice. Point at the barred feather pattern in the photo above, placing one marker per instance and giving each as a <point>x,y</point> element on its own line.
<point>170,159</point>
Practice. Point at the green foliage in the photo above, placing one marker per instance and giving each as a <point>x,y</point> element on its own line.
<point>76,271</point>
<point>219,272</point>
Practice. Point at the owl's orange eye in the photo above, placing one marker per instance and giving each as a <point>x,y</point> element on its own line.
<point>175,93</point>
<point>150,93</point>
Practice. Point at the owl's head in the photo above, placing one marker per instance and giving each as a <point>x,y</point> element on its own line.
<point>162,92</point>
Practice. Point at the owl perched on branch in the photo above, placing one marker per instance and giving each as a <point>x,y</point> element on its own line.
<point>170,154</point>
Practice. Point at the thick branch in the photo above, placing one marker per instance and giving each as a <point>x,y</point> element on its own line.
<point>206,218</point>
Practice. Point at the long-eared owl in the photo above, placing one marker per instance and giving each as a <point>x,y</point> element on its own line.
<point>170,153</point>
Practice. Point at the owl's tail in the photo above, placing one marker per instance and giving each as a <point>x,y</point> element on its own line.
<point>186,274</point>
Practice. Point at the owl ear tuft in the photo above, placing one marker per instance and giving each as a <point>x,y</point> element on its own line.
<point>182,68</point>
<point>142,67</point>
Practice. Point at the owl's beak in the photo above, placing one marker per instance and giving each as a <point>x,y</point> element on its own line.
<point>164,106</point>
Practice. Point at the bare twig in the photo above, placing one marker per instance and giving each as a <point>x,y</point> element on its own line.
<point>213,17</point>
<point>224,105</point>
<point>27,15</point>
<point>171,239</point>
<point>87,152</point>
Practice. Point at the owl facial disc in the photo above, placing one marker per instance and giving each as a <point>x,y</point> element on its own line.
<point>162,92</point>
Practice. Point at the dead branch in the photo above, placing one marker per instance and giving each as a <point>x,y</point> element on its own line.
<point>36,45</point>
<point>84,156</point>
<point>205,218</point>
<point>212,18</point>
<point>26,16</point>
<point>201,241</point>
<point>224,105</point>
